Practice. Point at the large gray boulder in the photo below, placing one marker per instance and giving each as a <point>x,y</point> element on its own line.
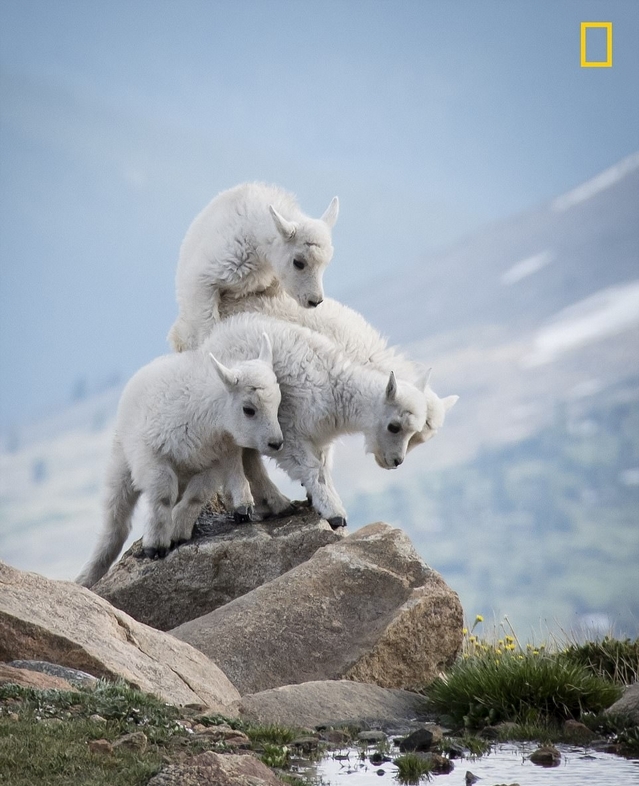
<point>222,562</point>
<point>628,705</point>
<point>333,703</point>
<point>366,608</point>
<point>64,623</point>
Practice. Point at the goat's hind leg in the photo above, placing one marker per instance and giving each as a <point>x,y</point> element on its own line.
<point>197,493</point>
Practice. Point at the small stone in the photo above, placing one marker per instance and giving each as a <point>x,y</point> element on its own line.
<point>421,740</point>
<point>97,718</point>
<point>442,765</point>
<point>336,736</point>
<point>546,756</point>
<point>454,750</point>
<point>306,744</point>
<point>136,741</point>
<point>100,746</point>
<point>378,758</point>
<point>373,735</point>
<point>578,732</point>
<point>221,733</point>
<point>470,778</point>
<point>13,716</point>
<point>381,772</point>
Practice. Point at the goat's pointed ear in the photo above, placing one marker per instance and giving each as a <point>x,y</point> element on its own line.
<point>266,350</point>
<point>332,211</point>
<point>227,376</point>
<point>391,388</point>
<point>449,402</point>
<point>284,227</point>
<point>424,378</point>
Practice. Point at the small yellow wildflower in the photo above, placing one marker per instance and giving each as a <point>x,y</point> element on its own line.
<point>509,639</point>
<point>464,631</point>
<point>479,618</point>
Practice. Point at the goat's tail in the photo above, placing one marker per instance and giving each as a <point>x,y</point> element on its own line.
<point>119,501</point>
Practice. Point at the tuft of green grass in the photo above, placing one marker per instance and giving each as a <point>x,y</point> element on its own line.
<point>411,768</point>
<point>276,755</point>
<point>616,659</point>
<point>272,734</point>
<point>523,688</point>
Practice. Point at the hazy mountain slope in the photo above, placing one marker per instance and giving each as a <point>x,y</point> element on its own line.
<point>580,243</point>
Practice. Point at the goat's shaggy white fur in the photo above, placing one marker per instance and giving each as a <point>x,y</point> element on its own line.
<point>246,238</point>
<point>324,394</point>
<point>359,340</point>
<point>181,425</point>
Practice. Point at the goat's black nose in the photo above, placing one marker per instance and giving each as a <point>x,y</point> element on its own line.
<point>398,461</point>
<point>314,303</point>
<point>276,445</point>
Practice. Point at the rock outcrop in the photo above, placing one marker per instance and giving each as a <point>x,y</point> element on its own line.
<point>628,705</point>
<point>366,608</point>
<point>217,769</point>
<point>32,679</point>
<point>222,562</point>
<point>332,703</point>
<point>63,623</point>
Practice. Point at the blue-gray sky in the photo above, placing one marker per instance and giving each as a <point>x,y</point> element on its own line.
<point>121,120</point>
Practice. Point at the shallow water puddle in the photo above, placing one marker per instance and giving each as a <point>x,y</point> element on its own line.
<point>505,764</point>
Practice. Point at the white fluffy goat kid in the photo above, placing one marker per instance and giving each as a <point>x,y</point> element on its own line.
<point>358,339</point>
<point>181,425</point>
<point>244,240</point>
<point>324,395</point>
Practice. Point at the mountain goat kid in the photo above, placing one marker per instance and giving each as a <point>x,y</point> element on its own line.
<point>359,341</point>
<point>181,425</point>
<point>324,395</point>
<point>244,240</point>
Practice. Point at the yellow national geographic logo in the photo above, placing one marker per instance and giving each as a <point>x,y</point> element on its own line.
<point>607,63</point>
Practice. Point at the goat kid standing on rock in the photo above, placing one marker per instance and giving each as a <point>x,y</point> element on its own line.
<point>181,425</point>
<point>358,339</point>
<point>324,395</point>
<point>244,240</point>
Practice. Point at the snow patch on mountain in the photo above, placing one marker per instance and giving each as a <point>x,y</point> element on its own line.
<point>598,183</point>
<point>526,267</point>
<point>606,313</point>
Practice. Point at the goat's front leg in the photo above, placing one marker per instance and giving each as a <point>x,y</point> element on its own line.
<point>161,487</point>
<point>307,463</point>
<point>197,493</point>
<point>236,487</point>
<point>269,500</point>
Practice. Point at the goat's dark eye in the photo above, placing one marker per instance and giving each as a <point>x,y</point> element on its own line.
<point>394,428</point>
<point>248,411</point>
<point>299,264</point>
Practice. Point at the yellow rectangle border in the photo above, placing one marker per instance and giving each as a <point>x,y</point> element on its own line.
<point>607,63</point>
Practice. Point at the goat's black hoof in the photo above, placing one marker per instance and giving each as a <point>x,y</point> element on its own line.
<point>153,553</point>
<point>243,514</point>
<point>176,543</point>
<point>337,522</point>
